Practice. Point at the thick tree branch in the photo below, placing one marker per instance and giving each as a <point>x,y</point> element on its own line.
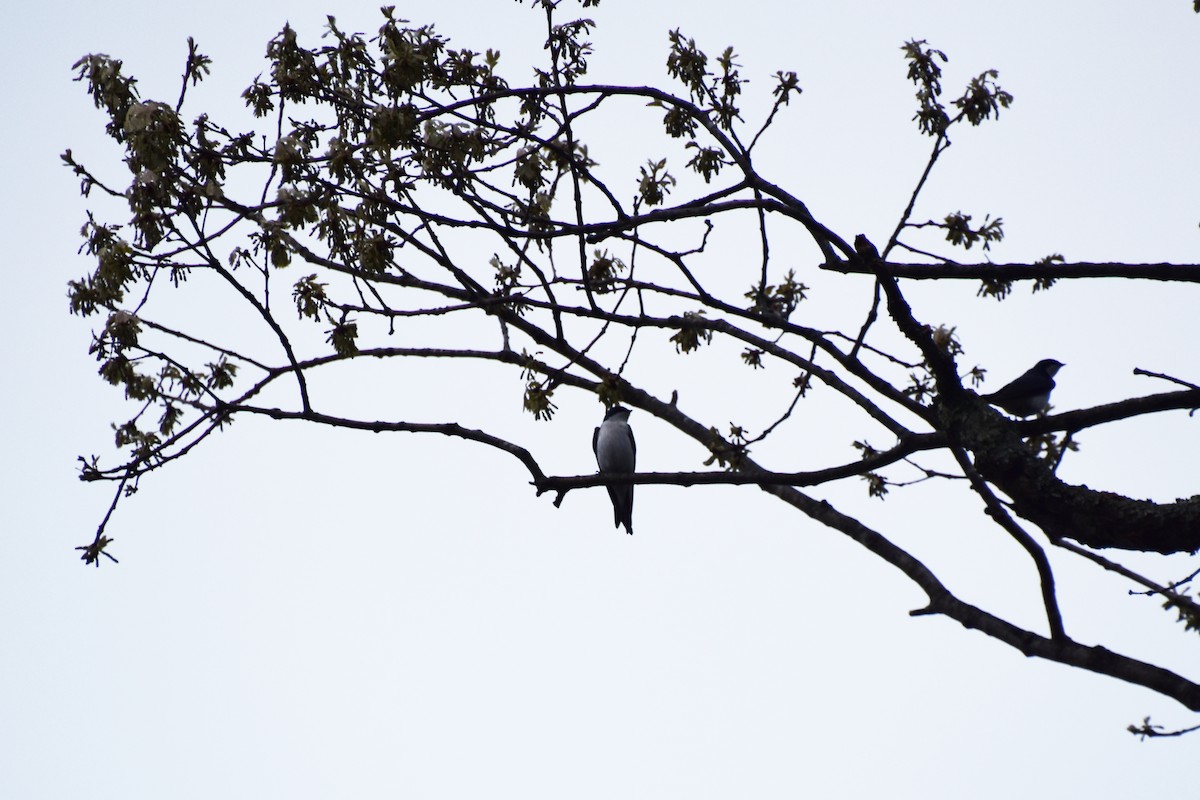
<point>1187,273</point>
<point>1094,518</point>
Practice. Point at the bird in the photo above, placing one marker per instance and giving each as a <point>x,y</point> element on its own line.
<point>1029,393</point>
<point>616,452</point>
<point>865,249</point>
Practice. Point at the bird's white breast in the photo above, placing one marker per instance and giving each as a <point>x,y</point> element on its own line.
<point>613,450</point>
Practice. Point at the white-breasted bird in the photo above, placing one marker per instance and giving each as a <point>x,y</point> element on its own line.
<point>1029,393</point>
<point>616,452</point>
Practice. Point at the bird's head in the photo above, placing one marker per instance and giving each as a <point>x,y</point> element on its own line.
<point>1049,366</point>
<point>618,412</point>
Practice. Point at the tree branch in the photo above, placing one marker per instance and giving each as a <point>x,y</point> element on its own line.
<point>1186,273</point>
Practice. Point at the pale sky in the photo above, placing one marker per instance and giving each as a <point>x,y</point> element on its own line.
<point>308,613</point>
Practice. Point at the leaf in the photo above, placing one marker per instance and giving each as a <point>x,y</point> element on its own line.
<point>691,335</point>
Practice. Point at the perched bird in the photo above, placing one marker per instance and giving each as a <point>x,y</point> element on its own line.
<point>864,248</point>
<point>1029,393</point>
<point>616,452</point>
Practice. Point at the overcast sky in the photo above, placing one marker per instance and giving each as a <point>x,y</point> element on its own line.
<point>304,613</point>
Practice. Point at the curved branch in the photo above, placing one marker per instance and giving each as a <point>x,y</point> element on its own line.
<point>1062,650</point>
<point>995,510</point>
<point>1093,659</point>
<point>380,426</point>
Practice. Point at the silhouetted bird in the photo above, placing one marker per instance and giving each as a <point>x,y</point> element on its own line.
<point>616,452</point>
<point>1029,393</point>
<point>864,248</point>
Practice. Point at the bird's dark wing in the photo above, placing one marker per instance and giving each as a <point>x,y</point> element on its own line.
<point>1032,383</point>
<point>627,511</point>
<point>1026,395</point>
<point>595,440</point>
